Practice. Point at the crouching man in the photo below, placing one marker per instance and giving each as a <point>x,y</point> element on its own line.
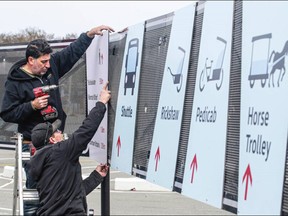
<point>56,168</point>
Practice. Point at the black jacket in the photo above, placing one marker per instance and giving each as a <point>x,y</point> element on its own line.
<point>16,104</point>
<point>57,170</point>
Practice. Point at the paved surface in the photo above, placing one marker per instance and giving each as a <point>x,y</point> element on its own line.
<point>122,202</point>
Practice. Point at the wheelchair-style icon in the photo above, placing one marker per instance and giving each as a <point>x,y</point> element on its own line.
<point>213,74</point>
<point>178,76</point>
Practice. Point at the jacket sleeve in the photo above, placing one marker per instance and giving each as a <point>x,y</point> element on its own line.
<point>13,110</point>
<point>35,164</point>
<point>79,140</point>
<point>92,181</point>
<point>67,57</point>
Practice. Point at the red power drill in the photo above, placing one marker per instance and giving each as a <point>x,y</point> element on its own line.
<point>48,112</point>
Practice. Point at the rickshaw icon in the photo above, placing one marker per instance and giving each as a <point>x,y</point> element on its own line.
<point>178,76</point>
<point>213,74</point>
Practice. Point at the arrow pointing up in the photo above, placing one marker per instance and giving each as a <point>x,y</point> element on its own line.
<point>248,176</point>
<point>157,158</point>
<point>193,165</point>
<point>118,146</point>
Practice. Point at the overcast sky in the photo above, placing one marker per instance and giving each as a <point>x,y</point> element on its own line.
<point>63,17</point>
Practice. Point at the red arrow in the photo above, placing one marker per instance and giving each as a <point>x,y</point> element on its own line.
<point>193,165</point>
<point>157,158</point>
<point>118,145</point>
<point>248,177</point>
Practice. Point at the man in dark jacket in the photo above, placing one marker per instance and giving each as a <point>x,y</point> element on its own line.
<point>40,68</point>
<point>56,167</point>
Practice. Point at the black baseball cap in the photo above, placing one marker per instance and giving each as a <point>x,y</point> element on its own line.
<point>42,132</point>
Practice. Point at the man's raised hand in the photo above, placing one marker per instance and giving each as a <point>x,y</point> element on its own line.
<point>105,94</point>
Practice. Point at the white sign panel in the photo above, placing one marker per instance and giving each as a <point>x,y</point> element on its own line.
<point>264,119</point>
<point>204,168</point>
<point>161,168</point>
<point>97,76</point>
<point>124,130</point>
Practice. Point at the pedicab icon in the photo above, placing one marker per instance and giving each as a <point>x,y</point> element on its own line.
<point>178,76</point>
<point>213,73</point>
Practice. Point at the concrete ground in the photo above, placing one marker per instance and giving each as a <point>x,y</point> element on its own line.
<point>126,201</point>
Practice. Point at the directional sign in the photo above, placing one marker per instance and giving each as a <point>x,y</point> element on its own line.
<point>124,129</point>
<point>205,159</point>
<point>170,108</point>
<point>97,76</point>
<point>264,105</point>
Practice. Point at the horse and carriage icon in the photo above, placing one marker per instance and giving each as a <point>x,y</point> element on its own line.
<point>264,64</point>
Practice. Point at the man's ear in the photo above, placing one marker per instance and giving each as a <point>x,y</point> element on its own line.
<point>30,60</point>
<point>52,140</point>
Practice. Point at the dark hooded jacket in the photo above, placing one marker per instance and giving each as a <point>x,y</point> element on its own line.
<point>16,104</point>
<point>57,170</point>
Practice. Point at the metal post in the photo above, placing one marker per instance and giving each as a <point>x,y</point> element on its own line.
<point>15,192</point>
<point>20,177</point>
<point>105,195</point>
